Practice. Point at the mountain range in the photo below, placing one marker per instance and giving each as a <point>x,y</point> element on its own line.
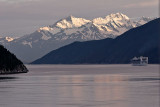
<point>68,30</point>
<point>140,41</point>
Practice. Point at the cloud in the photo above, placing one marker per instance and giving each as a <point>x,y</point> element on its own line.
<point>17,1</point>
<point>28,13</point>
<point>142,4</point>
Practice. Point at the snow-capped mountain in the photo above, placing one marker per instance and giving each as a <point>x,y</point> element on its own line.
<point>4,40</point>
<point>68,30</point>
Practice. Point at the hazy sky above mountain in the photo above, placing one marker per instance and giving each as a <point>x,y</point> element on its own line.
<point>20,17</point>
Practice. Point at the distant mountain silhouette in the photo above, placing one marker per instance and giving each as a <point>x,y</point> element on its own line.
<point>9,63</point>
<point>140,41</point>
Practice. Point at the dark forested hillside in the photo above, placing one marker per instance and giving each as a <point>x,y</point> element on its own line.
<point>9,63</point>
<point>140,41</point>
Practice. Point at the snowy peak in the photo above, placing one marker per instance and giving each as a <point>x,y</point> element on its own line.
<point>45,28</point>
<point>9,39</point>
<point>72,27</point>
<point>111,21</point>
<point>110,18</point>
<point>100,21</point>
<point>146,19</point>
<point>117,16</point>
<point>143,20</point>
<point>71,22</point>
<point>4,40</point>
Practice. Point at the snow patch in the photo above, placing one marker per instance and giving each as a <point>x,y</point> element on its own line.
<point>55,30</point>
<point>9,39</point>
<point>46,28</point>
<point>27,43</point>
<point>44,37</point>
<point>71,22</point>
<point>71,31</point>
<point>100,21</point>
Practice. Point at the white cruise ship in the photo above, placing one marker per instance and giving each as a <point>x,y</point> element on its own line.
<point>139,61</point>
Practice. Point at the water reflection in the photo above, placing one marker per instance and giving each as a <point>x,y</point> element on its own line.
<point>96,89</point>
<point>3,79</point>
<point>107,90</point>
<point>143,79</point>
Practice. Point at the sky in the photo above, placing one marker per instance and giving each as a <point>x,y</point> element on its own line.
<point>21,17</point>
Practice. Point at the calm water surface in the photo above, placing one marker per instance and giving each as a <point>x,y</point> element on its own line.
<point>82,86</point>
